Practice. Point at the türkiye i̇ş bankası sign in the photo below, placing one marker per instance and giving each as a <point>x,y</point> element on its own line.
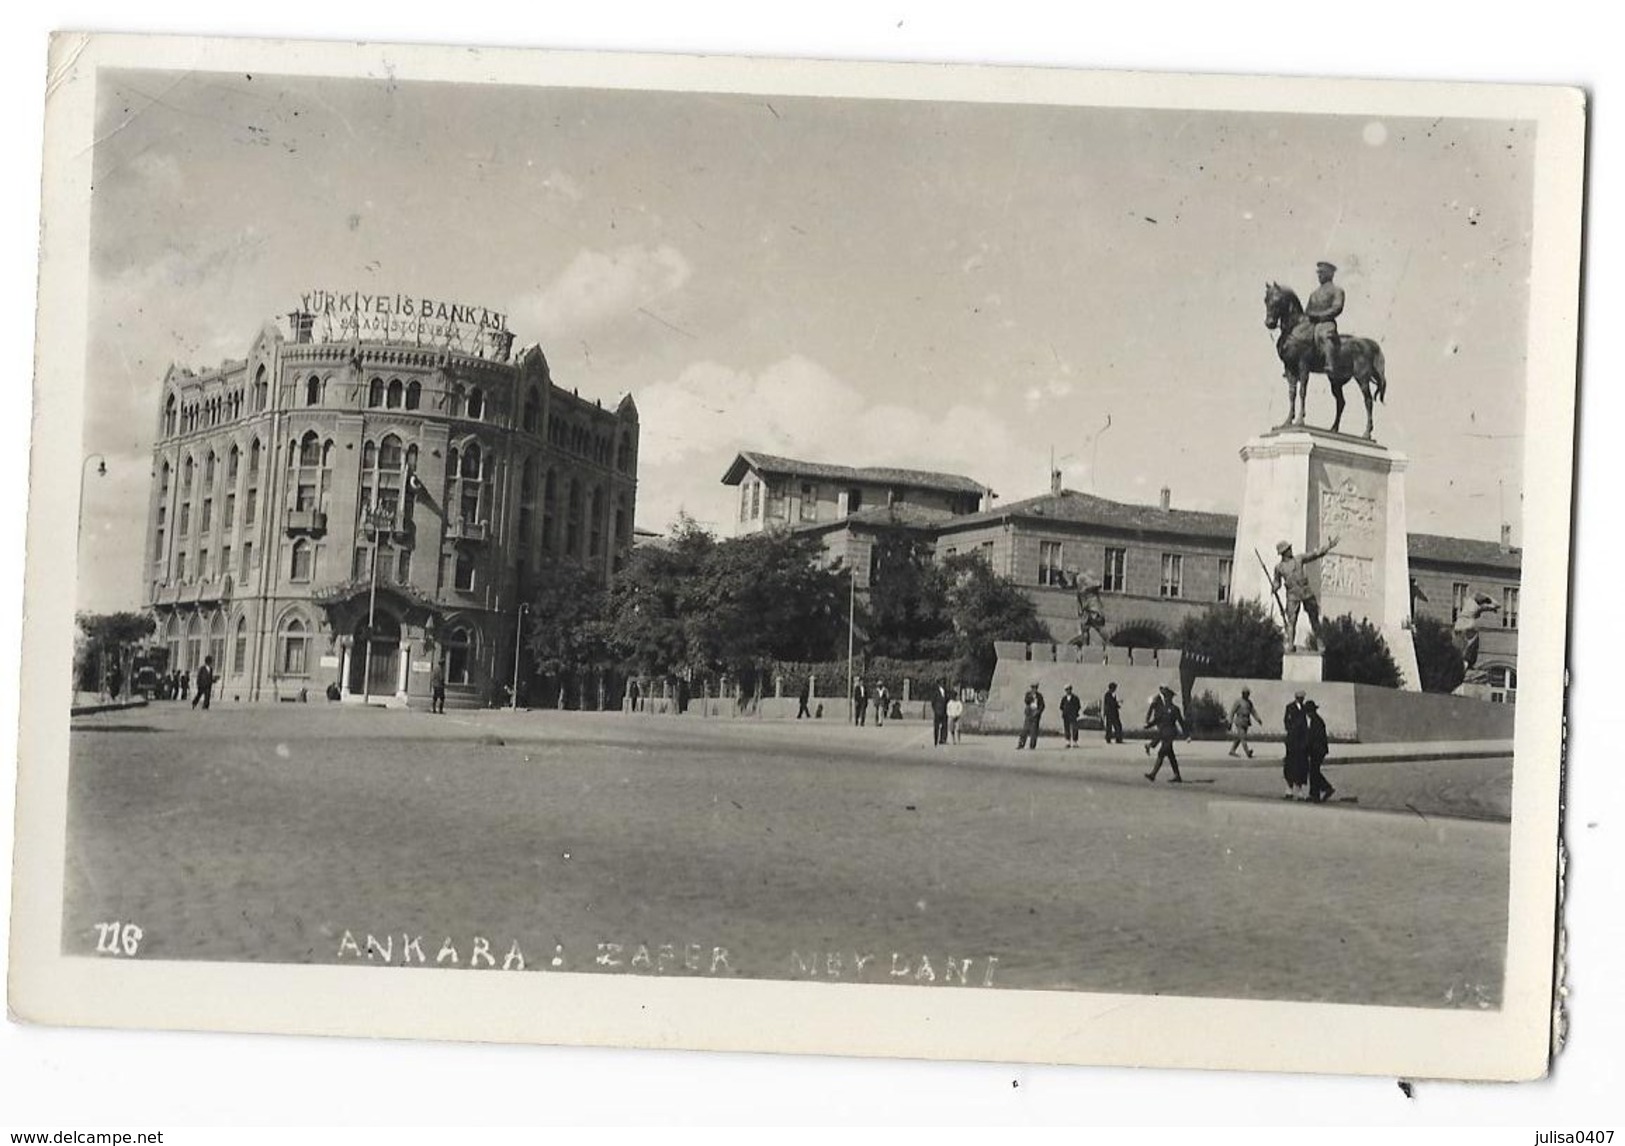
<point>341,314</point>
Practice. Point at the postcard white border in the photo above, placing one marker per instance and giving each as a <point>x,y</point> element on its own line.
<point>1002,1025</point>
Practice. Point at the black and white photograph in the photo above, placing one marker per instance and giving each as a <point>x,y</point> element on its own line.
<point>990,564</point>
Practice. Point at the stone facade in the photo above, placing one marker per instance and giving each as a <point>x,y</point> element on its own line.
<point>262,553</point>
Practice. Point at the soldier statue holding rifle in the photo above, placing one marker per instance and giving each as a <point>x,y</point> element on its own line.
<point>1292,575</point>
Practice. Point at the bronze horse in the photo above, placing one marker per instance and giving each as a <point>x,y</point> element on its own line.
<point>1357,359</point>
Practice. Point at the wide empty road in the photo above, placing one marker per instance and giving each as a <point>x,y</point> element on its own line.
<point>662,845</point>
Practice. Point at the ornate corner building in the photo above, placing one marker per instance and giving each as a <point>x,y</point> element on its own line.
<point>314,484</point>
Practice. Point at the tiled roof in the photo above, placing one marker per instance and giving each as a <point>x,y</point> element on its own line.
<point>1086,509</point>
<point>1463,551</point>
<point>876,475</point>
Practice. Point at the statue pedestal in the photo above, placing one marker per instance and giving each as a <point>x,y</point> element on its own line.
<point>1301,666</point>
<point>1304,486</point>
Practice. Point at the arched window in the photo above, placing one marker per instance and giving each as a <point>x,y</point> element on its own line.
<point>459,652</point>
<point>414,394</point>
<point>293,656</point>
<point>550,506</point>
<point>527,504</point>
<point>239,647</point>
<point>454,401</point>
<point>383,476</point>
<point>533,410</point>
<point>186,475</point>
<point>395,395</point>
<point>194,642</point>
<point>476,404</point>
<point>172,640</point>
<point>596,525</point>
<point>572,520</point>
<point>302,566</point>
<point>463,571</point>
<point>217,643</point>
<point>169,416</point>
<point>375,392</point>
<point>208,471</point>
<point>233,459</point>
<point>262,389</point>
<point>253,459</point>
<point>313,391</point>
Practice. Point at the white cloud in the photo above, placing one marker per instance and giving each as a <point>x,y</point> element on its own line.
<point>695,423</point>
<point>599,286</point>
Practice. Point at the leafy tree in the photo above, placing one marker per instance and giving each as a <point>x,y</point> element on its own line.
<point>1234,639</point>
<point>1438,661</point>
<point>984,607</point>
<point>908,615</point>
<point>108,637</point>
<point>647,611</point>
<point>761,597</point>
<point>567,633</point>
<point>1354,651</point>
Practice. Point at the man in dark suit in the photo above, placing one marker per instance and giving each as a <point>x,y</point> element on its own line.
<point>1071,709</point>
<point>939,714</point>
<point>1032,711</point>
<point>1295,723</point>
<point>205,683</point>
<point>860,703</point>
<point>1111,713</point>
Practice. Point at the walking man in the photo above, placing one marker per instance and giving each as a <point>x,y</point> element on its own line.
<point>437,688</point>
<point>1242,715</point>
<point>1032,711</point>
<point>1111,714</point>
<point>205,683</point>
<point>882,700</point>
<point>860,703</point>
<point>1071,708</point>
<point>802,698</point>
<point>1315,750</point>
<point>1169,722</point>
<point>1153,711</point>
<point>956,711</point>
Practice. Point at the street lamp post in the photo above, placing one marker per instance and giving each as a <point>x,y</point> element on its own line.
<point>79,528</point>
<point>518,634</point>
<point>851,630</point>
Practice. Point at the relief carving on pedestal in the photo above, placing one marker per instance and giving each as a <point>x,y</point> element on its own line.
<point>1345,511</point>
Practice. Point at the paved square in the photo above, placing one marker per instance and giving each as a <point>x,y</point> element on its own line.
<point>662,845</point>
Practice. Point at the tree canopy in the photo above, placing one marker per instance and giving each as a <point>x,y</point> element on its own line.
<point>1237,639</point>
<point>1438,661</point>
<point>1354,651</point>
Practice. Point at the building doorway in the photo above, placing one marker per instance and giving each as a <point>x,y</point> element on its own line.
<point>378,674</point>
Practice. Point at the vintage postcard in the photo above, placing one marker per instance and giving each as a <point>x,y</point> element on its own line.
<point>854,559</point>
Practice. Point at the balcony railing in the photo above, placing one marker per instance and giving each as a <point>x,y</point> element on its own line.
<point>312,521</point>
<point>460,529</point>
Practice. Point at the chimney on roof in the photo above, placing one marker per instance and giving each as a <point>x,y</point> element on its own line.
<point>1167,497</point>
<point>1055,481</point>
<point>1506,538</point>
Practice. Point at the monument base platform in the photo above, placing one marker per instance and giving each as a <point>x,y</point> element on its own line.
<point>1302,665</point>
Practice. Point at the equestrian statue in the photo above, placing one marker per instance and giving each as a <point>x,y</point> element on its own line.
<point>1309,343</point>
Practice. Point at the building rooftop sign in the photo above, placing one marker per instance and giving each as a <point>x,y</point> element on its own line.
<point>329,315</point>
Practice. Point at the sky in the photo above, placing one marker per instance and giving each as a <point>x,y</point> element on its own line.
<point>947,286</point>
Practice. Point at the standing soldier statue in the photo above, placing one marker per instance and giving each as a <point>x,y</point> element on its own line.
<point>1466,636</point>
<point>1091,612</point>
<point>1291,573</point>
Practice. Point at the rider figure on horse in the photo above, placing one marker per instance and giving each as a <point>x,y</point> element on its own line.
<point>1324,305</point>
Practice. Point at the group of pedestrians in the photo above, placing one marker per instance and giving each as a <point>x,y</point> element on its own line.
<point>1306,751</point>
<point>947,708</point>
